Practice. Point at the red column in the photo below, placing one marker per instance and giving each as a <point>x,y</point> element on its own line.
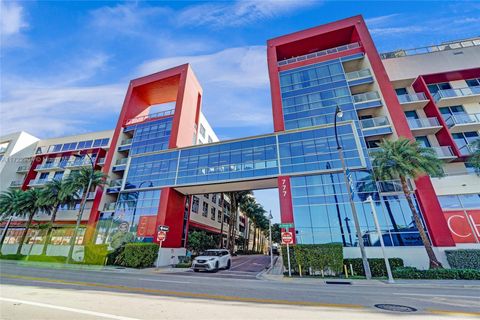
<point>170,213</point>
<point>286,205</point>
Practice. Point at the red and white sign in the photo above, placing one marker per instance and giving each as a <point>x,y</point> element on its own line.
<point>287,238</point>
<point>464,225</point>
<point>161,236</point>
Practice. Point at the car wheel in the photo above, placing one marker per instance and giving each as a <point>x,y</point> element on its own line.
<point>216,267</point>
<point>195,270</point>
<point>229,263</point>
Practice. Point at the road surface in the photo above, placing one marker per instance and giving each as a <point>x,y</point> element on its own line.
<point>39,293</point>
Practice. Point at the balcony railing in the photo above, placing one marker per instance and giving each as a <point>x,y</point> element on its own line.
<point>50,165</point>
<point>23,168</point>
<point>82,163</point>
<point>150,116</point>
<point>319,53</point>
<point>411,97</point>
<point>109,206</point>
<point>436,48</point>
<point>463,118</point>
<point>126,142</point>
<point>374,122</point>
<point>444,152</point>
<point>367,96</point>
<point>101,161</point>
<point>121,162</point>
<point>39,182</point>
<point>116,183</point>
<point>354,75</point>
<point>423,123</point>
<point>460,92</point>
<point>16,183</point>
<point>467,149</point>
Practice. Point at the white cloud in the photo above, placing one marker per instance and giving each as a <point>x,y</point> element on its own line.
<point>12,22</point>
<point>380,20</point>
<point>235,85</point>
<point>239,13</point>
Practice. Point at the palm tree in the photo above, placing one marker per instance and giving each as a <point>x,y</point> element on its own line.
<point>236,200</point>
<point>30,203</point>
<point>55,194</point>
<point>474,160</point>
<point>9,208</point>
<point>404,159</point>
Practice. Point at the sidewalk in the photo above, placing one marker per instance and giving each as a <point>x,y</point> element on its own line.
<point>276,274</point>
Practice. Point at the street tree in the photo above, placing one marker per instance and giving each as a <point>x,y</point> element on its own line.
<point>405,159</point>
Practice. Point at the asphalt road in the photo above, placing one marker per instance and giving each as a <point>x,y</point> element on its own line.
<point>243,267</point>
<point>28,286</point>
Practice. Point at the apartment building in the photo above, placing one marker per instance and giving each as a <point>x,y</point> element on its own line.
<point>168,168</point>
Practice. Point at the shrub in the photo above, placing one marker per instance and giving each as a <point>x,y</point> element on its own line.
<point>115,257</point>
<point>12,256</point>
<point>377,266</point>
<point>327,257</point>
<point>45,258</point>
<point>139,255</point>
<point>464,259</point>
<point>413,273</point>
<point>95,254</point>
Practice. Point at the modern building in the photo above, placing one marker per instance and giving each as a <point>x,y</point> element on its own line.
<point>162,150</point>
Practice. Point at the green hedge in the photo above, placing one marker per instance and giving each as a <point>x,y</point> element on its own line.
<point>95,254</point>
<point>459,274</point>
<point>377,266</point>
<point>36,258</point>
<point>138,255</point>
<point>316,256</point>
<point>464,259</point>
<point>12,256</point>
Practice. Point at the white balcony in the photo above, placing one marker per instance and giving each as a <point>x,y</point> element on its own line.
<point>16,184</point>
<point>109,206</point>
<point>444,153</point>
<point>424,126</point>
<point>366,97</point>
<point>126,142</point>
<point>413,101</point>
<point>450,97</point>
<point>121,162</point>
<point>23,169</point>
<point>376,122</point>
<point>57,165</point>
<point>461,122</point>
<point>39,182</point>
<point>101,161</point>
<point>360,74</point>
<point>79,163</point>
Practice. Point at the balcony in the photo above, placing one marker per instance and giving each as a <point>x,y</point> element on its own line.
<point>149,117</point>
<point>101,161</point>
<point>125,145</point>
<point>367,100</point>
<point>115,186</point>
<point>460,122</point>
<point>359,77</point>
<point>413,101</point>
<point>79,163</point>
<point>23,169</point>
<point>375,126</point>
<point>51,166</point>
<point>120,164</point>
<point>444,152</point>
<point>109,206</point>
<point>16,184</point>
<point>449,97</point>
<point>318,54</point>
<point>424,126</point>
<point>39,182</point>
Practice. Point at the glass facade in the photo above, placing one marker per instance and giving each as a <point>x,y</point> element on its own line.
<point>297,152</point>
<point>151,136</point>
<point>323,213</point>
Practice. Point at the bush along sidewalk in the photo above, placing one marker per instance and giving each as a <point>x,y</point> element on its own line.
<point>135,255</point>
<point>438,274</point>
<point>377,266</point>
<point>464,259</point>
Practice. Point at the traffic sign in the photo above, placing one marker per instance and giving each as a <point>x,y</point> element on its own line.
<point>161,236</point>
<point>286,225</point>
<point>163,228</point>
<point>287,238</point>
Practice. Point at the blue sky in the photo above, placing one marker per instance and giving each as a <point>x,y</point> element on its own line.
<point>65,65</point>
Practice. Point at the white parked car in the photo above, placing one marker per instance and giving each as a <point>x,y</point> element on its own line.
<point>212,260</point>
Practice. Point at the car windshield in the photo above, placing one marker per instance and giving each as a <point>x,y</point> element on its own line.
<point>212,253</point>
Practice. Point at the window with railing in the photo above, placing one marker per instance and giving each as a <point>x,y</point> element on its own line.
<point>374,122</point>
<point>411,97</point>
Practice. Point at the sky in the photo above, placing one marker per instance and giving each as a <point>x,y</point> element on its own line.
<point>65,66</point>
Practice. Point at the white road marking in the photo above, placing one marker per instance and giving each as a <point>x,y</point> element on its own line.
<point>434,295</point>
<point>51,306</point>
<point>158,280</point>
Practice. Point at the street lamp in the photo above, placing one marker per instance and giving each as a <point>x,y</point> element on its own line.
<point>82,205</point>
<point>270,217</point>
<point>366,266</point>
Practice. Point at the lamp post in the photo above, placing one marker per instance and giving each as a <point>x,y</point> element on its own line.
<point>270,217</point>
<point>82,207</point>
<point>366,266</point>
